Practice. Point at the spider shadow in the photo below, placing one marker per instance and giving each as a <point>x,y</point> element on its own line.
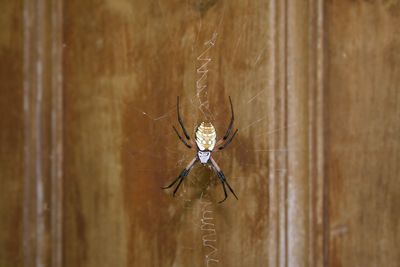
<point>201,180</point>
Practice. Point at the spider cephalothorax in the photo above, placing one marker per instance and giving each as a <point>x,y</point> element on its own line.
<point>205,142</point>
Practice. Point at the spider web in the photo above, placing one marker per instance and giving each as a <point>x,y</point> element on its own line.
<point>196,201</point>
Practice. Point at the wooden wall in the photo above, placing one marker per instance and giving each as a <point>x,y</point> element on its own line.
<point>88,100</point>
<point>11,134</point>
<point>363,126</point>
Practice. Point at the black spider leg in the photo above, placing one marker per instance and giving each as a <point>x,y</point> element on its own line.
<point>181,176</point>
<point>229,140</point>
<point>228,131</point>
<point>181,121</point>
<point>223,180</point>
<point>180,138</point>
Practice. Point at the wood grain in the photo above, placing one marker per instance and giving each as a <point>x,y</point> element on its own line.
<point>86,136</point>
<point>297,192</point>
<point>124,65</point>
<point>363,127</point>
<point>42,133</point>
<point>11,134</point>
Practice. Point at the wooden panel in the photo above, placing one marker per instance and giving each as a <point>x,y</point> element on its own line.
<point>11,134</point>
<point>304,135</point>
<point>124,64</point>
<point>363,148</point>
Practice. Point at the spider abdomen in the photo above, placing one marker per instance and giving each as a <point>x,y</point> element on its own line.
<point>206,136</point>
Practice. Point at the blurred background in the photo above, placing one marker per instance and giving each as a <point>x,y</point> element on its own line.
<point>88,98</point>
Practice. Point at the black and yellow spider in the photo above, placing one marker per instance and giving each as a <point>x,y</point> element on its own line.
<point>205,144</point>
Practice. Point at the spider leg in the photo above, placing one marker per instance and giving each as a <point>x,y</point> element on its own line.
<point>229,140</point>
<point>181,176</point>
<point>176,180</point>
<point>181,121</point>
<point>180,138</point>
<point>228,131</point>
<point>223,180</point>
<point>230,188</point>
<point>179,184</point>
<point>223,186</point>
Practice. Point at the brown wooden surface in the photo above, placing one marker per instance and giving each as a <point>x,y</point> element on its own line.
<point>88,100</point>
<point>363,145</point>
<point>11,134</point>
<point>124,64</point>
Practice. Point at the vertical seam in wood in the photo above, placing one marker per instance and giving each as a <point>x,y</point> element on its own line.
<point>281,118</point>
<point>272,231</point>
<point>57,136</point>
<point>27,12</point>
<point>38,130</point>
<point>280,122</point>
<point>285,123</point>
<point>321,144</point>
<point>312,137</point>
<point>274,239</point>
<point>317,183</point>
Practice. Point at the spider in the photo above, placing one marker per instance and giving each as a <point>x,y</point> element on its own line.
<point>205,137</point>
